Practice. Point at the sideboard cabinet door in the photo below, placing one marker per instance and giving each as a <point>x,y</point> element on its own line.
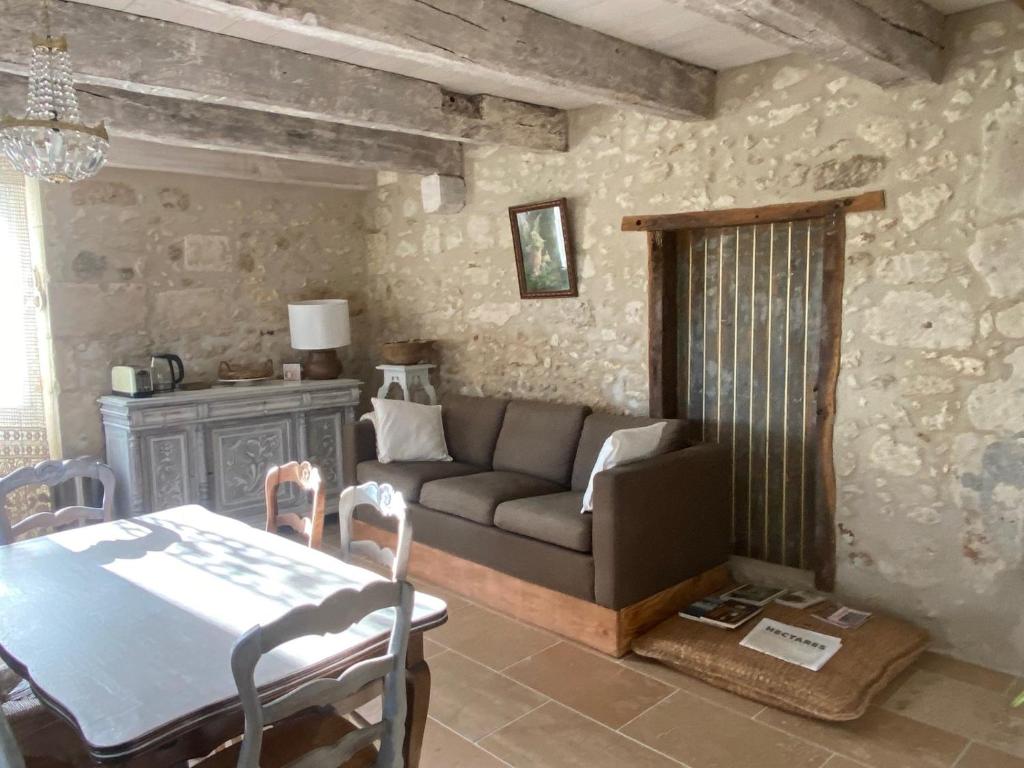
<point>323,433</point>
<point>242,454</point>
<point>166,457</point>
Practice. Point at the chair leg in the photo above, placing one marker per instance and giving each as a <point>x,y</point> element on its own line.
<point>417,687</point>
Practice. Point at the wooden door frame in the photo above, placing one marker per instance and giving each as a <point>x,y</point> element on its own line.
<point>664,233</point>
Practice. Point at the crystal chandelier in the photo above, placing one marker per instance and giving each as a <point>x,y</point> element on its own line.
<point>51,142</point>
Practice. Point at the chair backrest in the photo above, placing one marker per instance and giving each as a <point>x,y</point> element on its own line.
<point>389,503</point>
<point>52,473</point>
<point>336,613</point>
<point>307,477</point>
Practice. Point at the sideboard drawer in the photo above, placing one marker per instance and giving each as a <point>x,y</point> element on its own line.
<point>244,408</point>
<point>166,417</point>
<point>333,399</point>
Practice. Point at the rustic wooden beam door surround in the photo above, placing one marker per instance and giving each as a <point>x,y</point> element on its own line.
<point>746,310</point>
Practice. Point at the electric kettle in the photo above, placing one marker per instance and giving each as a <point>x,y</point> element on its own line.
<point>167,372</point>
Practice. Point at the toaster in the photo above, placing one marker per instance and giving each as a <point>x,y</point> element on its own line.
<point>131,381</point>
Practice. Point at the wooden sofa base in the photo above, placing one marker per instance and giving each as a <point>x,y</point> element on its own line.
<point>603,629</point>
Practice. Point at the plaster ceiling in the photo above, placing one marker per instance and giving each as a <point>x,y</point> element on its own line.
<point>663,26</point>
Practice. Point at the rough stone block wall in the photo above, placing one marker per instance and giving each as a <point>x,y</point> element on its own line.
<point>930,430</point>
<point>139,263</point>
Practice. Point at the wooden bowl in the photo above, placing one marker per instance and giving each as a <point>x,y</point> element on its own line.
<point>408,352</point>
<point>243,372</point>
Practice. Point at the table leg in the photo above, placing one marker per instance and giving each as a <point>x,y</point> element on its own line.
<point>417,689</point>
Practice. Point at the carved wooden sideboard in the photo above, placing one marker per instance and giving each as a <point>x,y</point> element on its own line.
<point>213,446</point>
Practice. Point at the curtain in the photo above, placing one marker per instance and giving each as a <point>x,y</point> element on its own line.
<point>23,438</point>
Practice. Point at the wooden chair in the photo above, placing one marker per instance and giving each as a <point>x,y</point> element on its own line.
<point>308,732</point>
<point>389,503</point>
<point>52,473</point>
<point>10,754</point>
<point>20,708</point>
<point>50,744</point>
<point>307,477</point>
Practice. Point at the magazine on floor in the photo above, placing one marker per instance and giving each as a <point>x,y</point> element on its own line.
<point>719,612</point>
<point>804,647</point>
<point>846,618</point>
<point>800,599</point>
<point>752,594</point>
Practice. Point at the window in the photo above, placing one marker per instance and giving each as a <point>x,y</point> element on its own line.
<point>23,435</point>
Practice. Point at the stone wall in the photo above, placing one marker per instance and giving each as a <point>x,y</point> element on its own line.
<point>929,441</point>
<point>139,263</point>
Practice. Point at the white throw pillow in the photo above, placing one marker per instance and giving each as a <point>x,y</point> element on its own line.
<point>624,446</point>
<point>408,431</point>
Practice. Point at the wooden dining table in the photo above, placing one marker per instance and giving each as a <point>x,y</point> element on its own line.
<point>125,629</point>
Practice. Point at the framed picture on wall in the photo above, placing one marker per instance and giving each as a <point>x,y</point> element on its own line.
<point>544,259</point>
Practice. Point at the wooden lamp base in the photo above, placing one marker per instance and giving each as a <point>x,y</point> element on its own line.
<point>322,364</point>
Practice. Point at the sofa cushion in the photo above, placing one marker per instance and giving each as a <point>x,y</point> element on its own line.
<point>599,426</point>
<point>540,439</point>
<point>624,446</point>
<point>408,477</point>
<point>475,497</point>
<point>471,427</point>
<point>554,518</point>
<point>408,431</point>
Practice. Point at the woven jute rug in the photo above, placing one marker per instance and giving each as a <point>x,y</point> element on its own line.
<point>871,656</point>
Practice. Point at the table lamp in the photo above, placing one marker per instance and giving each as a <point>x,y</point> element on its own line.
<point>320,327</point>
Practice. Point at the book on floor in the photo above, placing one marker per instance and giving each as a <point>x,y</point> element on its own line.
<point>803,647</point>
<point>799,599</point>
<point>720,612</point>
<point>752,594</point>
<point>846,618</point>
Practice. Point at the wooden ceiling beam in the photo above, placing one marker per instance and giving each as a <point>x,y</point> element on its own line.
<point>493,39</point>
<point>215,127</point>
<point>885,41</point>
<point>167,158</point>
<point>119,50</point>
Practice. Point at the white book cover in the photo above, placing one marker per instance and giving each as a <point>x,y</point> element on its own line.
<point>804,647</point>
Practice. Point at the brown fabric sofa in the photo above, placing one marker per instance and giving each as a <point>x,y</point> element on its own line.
<point>511,499</point>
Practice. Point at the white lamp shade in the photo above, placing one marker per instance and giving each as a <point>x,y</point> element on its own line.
<point>320,324</point>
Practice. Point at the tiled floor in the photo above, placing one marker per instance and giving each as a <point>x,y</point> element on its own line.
<point>506,694</point>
